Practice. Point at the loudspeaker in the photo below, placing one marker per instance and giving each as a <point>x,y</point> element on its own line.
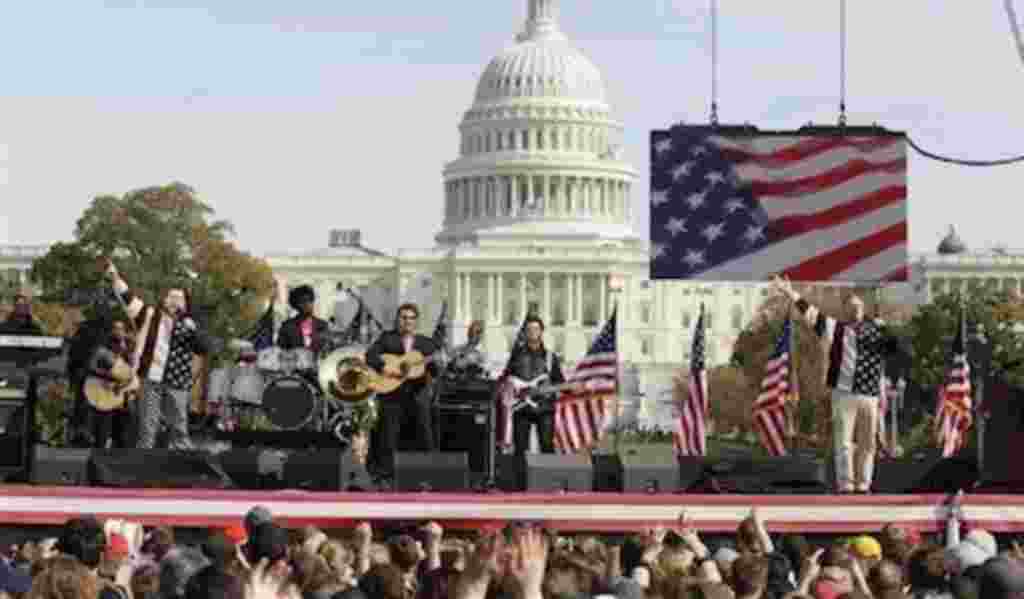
<point>546,473</point>
<point>14,432</point>
<point>252,468</point>
<point>926,473</point>
<point>1004,439</point>
<point>60,466</point>
<point>435,471</point>
<point>156,469</point>
<point>791,475</point>
<point>468,428</point>
<point>652,472</point>
<point>325,470</point>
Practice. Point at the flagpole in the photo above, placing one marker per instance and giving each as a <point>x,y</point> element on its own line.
<point>794,380</point>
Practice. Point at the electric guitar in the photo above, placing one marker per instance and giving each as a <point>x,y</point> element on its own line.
<point>106,394</point>
<point>388,379</point>
<point>526,393</point>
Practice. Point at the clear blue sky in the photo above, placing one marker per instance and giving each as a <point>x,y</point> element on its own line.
<point>294,117</point>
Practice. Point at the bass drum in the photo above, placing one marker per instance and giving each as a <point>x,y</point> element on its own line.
<point>289,402</point>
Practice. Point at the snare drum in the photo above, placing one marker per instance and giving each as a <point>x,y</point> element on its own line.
<point>269,360</point>
<point>219,386</point>
<point>289,402</point>
<point>297,360</point>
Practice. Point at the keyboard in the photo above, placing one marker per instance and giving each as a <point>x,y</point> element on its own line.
<point>31,342</point>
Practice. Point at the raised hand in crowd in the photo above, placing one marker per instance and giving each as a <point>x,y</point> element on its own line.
<point>483,564</point>
<point>809,572</point>
<point>528,562</point>
<point>362,539</point>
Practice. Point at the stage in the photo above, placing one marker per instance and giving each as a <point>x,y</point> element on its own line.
<point>22,506</point>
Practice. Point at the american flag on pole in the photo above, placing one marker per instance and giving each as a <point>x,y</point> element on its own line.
<point>954,419</point>
<point>732,206</point>
<point>770,405</point>
<point>691,434</point>
<point>582,415</point>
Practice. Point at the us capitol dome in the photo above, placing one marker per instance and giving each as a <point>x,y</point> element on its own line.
<point>539,152</point>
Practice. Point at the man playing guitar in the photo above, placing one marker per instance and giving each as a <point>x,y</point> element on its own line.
<point>112,425</point>
<point>533,373</point>
<point>405,419</point>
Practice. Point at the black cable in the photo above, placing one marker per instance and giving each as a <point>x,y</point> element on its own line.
<point>963,162</point>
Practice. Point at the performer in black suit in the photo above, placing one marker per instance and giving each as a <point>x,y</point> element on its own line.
<point>526,365</point>
<point>304,329</point>
<point>405,419</point>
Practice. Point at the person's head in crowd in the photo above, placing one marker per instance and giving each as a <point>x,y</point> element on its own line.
<point>383,581</point>
<point>867,550</point>
<point>222,552</point>
<point>926,568</point>
<point>158,542</point>
<point>115,556</point>
<point>213,583</point>
<point>724,558</point>
<point>780,575</point>
<point>983,540</point>
<point>268,542</point>
<point>406,552</point>
<point>885,576</point>
<point>256,517</point>
<point>146,581</point>
<point>795,547</point>
<point>453,558</point>
<point>340,559</point>
<point>1001,578</point>
<point>236,534</point>
<point>177,567</point>
<point>748,538</point>
<point>311,574</point>
<point>84,540</point>
<point>750,575</point>
<point>64,577</point>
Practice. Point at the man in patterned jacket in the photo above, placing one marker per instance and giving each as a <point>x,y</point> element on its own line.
<point>857,350</point>
<point>167,340</point>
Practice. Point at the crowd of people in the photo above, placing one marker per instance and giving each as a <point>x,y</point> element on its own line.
<point>259,559</point>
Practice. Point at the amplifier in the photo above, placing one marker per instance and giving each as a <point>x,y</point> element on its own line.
<point>464,421</point>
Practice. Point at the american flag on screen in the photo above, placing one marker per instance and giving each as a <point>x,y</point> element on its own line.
<point>581,417</point>
<point>734,207</point>
<point>954,419</point>
<point>691,434</point>
<point>770,405</point>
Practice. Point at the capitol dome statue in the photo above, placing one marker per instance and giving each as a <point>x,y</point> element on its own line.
<point>951,244</point>
<point>539,155</point>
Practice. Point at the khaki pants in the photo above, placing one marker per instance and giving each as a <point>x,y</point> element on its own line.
<point>854,430</point>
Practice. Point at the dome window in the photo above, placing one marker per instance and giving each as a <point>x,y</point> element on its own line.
<point>519,81</point>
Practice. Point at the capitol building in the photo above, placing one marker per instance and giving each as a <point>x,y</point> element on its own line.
<point>538,210</point>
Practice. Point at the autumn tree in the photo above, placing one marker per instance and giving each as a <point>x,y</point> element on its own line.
<point>932,328</point>
<point>160,236</point>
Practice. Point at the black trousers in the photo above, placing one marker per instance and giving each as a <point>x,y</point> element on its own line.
<point>101,426</point>
<point>545,421</point>
<point>404,423</point>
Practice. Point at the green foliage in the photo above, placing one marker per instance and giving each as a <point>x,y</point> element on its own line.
<point>159,237</point>
<point>930,332</point>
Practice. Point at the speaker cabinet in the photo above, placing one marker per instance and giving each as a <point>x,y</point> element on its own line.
<point>325,470</point>
<point>546,473</point>
<point>926,473</point>
<point>1004,439</point>
<point>468,428</point>
<point>157,469</point>
<point>435,471</point>
<point>15,432</point>
<point>791,475</point>
<point>54,466</point>
<point>657,472</point>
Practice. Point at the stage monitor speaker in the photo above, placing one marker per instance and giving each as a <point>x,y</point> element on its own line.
<point>650,472</point>
<point>58,466</point>
<point>14,433</point>
<point>791,475</point>
<point>157,469</point>
<point>325,470</point>
<point>1004,440</point>
<point>440,471</point>
<point>546,473</point>
<point>927,472</point>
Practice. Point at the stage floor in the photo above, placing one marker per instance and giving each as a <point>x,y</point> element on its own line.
<point>600,512</point>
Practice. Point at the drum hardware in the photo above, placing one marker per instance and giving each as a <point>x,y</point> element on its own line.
<point>290,402</point>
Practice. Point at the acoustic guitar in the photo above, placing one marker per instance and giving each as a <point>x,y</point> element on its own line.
<point>387,380</point>
<point>111,394</point>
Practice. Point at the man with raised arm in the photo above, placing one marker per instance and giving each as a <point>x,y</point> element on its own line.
<point>857,349</point>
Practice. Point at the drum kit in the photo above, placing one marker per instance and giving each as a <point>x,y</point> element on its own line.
<point>296,391</point>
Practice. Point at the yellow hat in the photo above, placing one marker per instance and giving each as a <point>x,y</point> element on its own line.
<point>866,547</point>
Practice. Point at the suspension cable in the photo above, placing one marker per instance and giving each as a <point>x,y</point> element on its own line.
<point>714,62</point>
<point>1011,14</point>
<point>962,161</point>
<point>842,63</point>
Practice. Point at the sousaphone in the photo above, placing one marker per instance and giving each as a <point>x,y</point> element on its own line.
<point>345,375</point>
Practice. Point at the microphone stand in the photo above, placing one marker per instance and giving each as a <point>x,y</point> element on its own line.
<point>365,311</point>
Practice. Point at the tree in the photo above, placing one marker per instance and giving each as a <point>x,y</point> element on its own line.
<point>161,236</point>
<point>931,333</point>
